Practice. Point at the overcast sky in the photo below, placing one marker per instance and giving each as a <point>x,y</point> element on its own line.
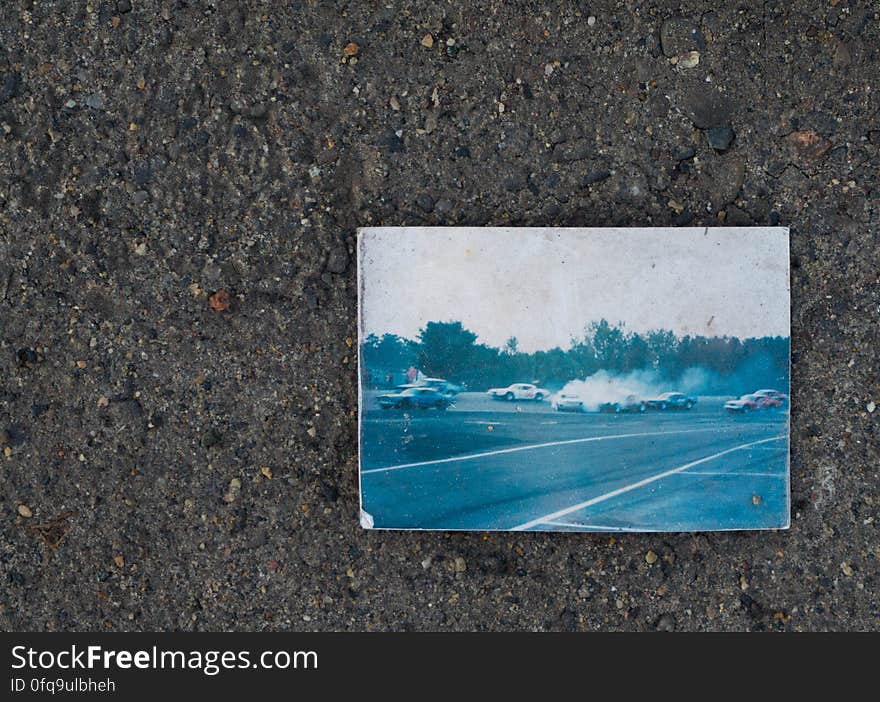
<point>544,285</point>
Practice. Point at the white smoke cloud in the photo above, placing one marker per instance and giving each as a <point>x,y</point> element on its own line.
<point>604,387</point>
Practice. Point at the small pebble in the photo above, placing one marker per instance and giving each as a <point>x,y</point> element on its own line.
<point>689,60</point>
<point>684,153</point>
<point>720,138</point>
<point>337,260</point>
<point>591,21</point>
<point>95,101</point>
<point>443,206</point>
<point>847,569</point>
<point>870,407</point>
<point>651,558</point>
<point>211,437</point>
<point>351,49</point>
<point>25,511</point>
<point>666,622</point>
<point>427,41</point>
<point>219,301</point>
<point>232,492</point>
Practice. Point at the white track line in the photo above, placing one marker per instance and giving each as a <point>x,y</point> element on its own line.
<point>531,447</point>
<point>635,486</point>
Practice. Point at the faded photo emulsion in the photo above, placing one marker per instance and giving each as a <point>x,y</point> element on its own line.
<point>632,379</point>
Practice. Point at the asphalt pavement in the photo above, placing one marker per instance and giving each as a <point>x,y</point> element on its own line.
<point>159,156</point>
<point>490,465</point>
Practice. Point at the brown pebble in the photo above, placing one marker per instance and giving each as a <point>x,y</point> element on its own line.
<point>427,41</point>
<point>25,511</point>
<point>219,301</point>
<point>351,49</point>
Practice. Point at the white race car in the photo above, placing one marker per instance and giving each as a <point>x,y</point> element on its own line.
<point>518,391</point>
<point>566,402</point>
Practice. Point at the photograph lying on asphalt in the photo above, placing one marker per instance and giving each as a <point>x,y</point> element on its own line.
<point>574,379</point>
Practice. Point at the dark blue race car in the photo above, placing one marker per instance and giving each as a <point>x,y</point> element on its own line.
<point>672,400</point>
<point>415,398</point>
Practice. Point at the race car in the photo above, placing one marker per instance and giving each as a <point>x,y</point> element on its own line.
<point>768,402</point>
<point>440,385</point>
<point>567,402</point>
<point>746,403</point>
<point>518,391</point>
<point>630,404</point>
<point>415,398</point>
<point>671,400</point>
<point>773,394</point>
<point>752,402</point>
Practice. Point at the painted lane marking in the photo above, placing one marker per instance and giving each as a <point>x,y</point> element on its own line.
<point>637,485</point>
<point>532,447</point>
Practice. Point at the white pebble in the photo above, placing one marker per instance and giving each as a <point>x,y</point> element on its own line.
<point>870,407</point>
<point>591,20</point>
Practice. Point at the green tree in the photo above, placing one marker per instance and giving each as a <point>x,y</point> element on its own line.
<point>446,349</point>
<point>610,344</point>
<point>389,352</point>
<point>637,354</point>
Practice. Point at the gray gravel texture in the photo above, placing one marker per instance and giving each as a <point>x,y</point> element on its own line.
<point>171,466</point>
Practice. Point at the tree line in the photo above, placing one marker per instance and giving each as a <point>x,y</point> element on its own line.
<point>449,350</point>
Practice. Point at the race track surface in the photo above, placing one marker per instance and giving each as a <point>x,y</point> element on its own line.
<point>496,465</point>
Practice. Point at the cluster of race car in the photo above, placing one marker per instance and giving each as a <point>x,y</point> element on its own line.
<point>426,394</point>
<point>758,400</point>
<point>439,393</point>
<point>572,402</point>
